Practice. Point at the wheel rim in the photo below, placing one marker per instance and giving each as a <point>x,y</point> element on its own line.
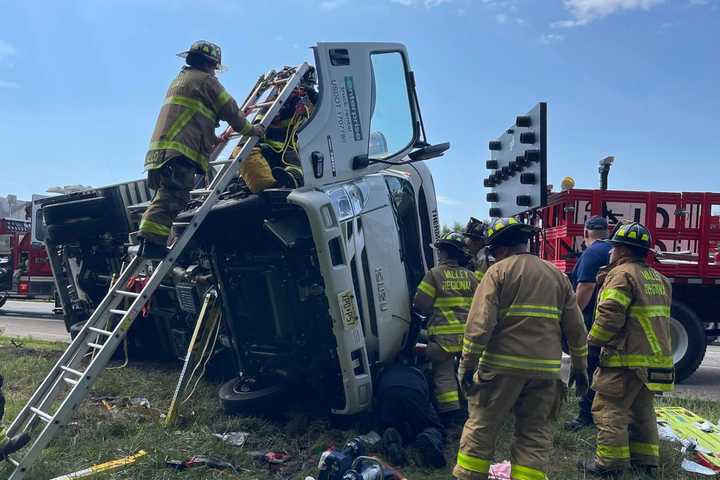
<point>679,339</point>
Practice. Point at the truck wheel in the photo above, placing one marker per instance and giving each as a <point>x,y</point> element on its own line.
<point>687,334</point>
<point>60,213</point>
<point>76,230</point>
<point>243,394</point>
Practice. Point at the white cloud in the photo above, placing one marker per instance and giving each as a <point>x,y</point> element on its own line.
<point>7,53</point>
<point>550,38</point>
<point>5,84</point>
<point>443,200</point>
<point>586,11</point>
<point>501,18</point>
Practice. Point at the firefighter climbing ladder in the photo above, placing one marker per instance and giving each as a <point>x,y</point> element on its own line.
<point>60,393</point>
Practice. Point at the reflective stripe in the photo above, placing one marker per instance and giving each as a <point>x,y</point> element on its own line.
<point>526,473</point>
<point>614,453</point>
<point>660,387</point>
<point>451,348</point>
<point>448,397</point>
<point>449,315</point>
<point>651,311</point>
<point>448,302</point>
<point>195,106</point>
<point>180,122</point>
<point>473,464</point>
<point>222,99</point>
<point>652,339</point>
<point>600,333</point>
<point>627,360</point>
<point>520,363</point>
<point>615,294</point>
<point>649,449</point>
<point>427,289</point>
<point>193,155</point>
<point>453,329</point>
<point>471,347</point>
<point>155,228</point>
<point>579,352</point>
<point>540,311</point>
<point>479,276</point>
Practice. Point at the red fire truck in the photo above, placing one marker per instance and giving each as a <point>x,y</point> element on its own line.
<point>686,230</point>
<point>24,268</point>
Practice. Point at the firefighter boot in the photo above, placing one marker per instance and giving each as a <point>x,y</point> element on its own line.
<point>290,177</point>
<point>152,251</point>
<point>393,447</point>
<point>594,468</point>
<point>430,444</point>
<point>578,423</point>
<point>11,445</point>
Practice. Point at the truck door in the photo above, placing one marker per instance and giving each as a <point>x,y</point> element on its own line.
<point>365,112</point>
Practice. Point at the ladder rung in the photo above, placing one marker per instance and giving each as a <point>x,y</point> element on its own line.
<point>100,331</point>
<point>260,105</point>
<point>96,346</point>
<point>220,162</point>
<point>14,462</point>
<point>180,224</point>
<point>118,312</point>
<point>41,414</point>
<point>200,191</point>
<point>70,381</point>
<point>70,370</point>
<point>127,294</point>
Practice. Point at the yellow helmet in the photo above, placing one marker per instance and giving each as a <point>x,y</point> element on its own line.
<point>567,184</point>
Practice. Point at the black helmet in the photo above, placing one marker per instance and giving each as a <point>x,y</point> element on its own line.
<point>632,234</point>
<point>508,231</point>
<point>475,229</point>
<point>207,49</point>
<point>453,240</point>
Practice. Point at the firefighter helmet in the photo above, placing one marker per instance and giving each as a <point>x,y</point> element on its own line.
<point>453,240</point>
<point>632,234</point>
<point>207,49</point>
<point>475,229</point>
<point>508,231</point>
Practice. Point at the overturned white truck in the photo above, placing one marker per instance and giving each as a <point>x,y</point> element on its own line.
<point>316,282</point>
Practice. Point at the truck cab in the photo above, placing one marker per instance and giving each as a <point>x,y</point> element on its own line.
<point>316,282</point>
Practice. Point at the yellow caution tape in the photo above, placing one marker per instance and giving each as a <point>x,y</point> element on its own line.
<point>110,466</point>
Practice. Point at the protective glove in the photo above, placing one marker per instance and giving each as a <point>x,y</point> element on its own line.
<point>258,131</point>
<point>466,380</point>
<point>580,379</point>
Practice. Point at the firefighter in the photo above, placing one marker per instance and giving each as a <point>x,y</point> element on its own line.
<point>512,354</point>
<point>274,161</point>
<point>9,445</point>
<point>474,234</point>
<point>445,295</point>
<point>183,139</point>
<point>632,328</point>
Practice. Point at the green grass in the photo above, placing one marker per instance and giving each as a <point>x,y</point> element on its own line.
<point>96,435</point>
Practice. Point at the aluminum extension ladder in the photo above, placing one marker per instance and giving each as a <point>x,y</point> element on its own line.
<point>67,384</point>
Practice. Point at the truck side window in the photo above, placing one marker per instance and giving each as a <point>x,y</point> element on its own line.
<point>391,123</point>
<point>402,198</point>
<point>427,239</point>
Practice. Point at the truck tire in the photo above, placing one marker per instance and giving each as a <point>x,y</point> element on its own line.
<point>86,208</point>
<point>236,399</point>
<point>82,230</point>
<point>688,340</point>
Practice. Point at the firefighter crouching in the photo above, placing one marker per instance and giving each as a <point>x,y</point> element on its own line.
<point>632,327</point>
<point>274,162</point>
<point>474,234</point>
<point>445,295</point>
<point>512,353</point>
<point>183,139</point>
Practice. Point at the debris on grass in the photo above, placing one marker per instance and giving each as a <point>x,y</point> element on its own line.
<point>132,405</point>
<point>236,439</point>
<point>202,461</point>
<point>276,458</point>
<point>107,467</point>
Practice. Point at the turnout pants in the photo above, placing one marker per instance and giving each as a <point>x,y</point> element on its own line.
<point>586,401</point>
<point>172,184</point>
<point>624,414</point>
<point>445,385</point>
<point>535,404</point>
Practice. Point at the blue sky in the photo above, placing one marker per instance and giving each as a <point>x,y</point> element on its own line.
<point>81,82</point>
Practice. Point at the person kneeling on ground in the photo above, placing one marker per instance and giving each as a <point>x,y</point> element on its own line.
<point>406,415</point>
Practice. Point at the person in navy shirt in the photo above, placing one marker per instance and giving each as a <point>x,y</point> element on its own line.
<point>595,256</point>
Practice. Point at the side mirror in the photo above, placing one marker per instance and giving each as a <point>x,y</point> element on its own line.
<point>429,151</point>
